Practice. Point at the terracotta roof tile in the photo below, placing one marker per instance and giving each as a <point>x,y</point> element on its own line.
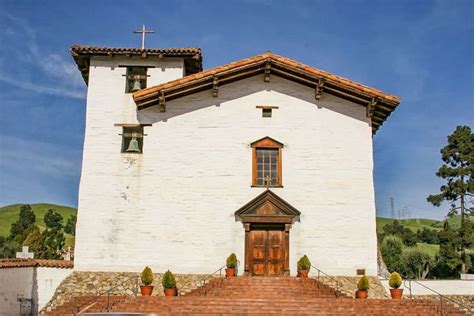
<point>311,71</point>
<point>82,55</point>
<point>23,263</point>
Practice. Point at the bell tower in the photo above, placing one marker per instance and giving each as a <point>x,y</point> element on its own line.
<point>114,144</point>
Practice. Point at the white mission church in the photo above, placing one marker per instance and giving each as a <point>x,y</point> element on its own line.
<point>265,157</point>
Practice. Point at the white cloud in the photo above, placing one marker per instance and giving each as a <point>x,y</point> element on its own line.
<point>58,76</point>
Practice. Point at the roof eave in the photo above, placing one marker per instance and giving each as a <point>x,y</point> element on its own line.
<point>82,54</point>
<point>291,70</point>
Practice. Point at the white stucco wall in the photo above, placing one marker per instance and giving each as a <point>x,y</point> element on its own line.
<point>173,206</point>
<point>445,287</point>
<point>48,279</point>
<point>14,283</point>
<point>35,283</point>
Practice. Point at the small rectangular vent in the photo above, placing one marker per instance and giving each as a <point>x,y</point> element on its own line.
<point>360,271</point>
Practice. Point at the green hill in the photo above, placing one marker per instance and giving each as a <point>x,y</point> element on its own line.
<point>10,213</point>
<point>420,223</point>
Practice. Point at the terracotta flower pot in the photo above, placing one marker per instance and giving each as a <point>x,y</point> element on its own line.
<point>361,294</point>
<point>171,292</point>
<point>303,273</point>
<point>229,272</point>
<point>396,293</point>
<point>146,290</point>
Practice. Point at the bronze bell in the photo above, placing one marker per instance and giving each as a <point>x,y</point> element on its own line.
<point>133,146</point>
<point>136,85</point>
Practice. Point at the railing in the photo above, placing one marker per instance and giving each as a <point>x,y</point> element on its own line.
<point>203,280</point>
<point>84,307</point>
<point>330,277</point>
<point>443,298</point>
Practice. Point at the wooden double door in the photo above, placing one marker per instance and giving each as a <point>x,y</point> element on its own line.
<point>267,251</point>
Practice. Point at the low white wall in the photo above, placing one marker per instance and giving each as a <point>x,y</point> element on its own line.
<point>14,283</point>
<point>445,287</point>
<point>48,279</point>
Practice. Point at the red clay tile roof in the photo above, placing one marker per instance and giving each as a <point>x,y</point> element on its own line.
<point>82,54</point>
<point>23,263</point>
<point>277,65</point>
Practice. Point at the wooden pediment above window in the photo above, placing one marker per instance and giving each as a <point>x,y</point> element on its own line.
<point>267,208</point>
<point>266,142</point>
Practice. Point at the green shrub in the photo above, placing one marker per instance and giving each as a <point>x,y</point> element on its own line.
<point>395,280</point>
<point>391,249</point>
<point>168,281</point>
<point>147,276</point>
<point>231,261</point>
<point>363,284</point>
<point>416,263</point>
<point>304,263</point>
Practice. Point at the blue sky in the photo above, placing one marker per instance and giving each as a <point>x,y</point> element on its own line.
<point>422,51</point>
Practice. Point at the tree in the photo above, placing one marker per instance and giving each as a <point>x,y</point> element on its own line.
<point>449,243</point>
<point>429,236</point>
<point>53,219</point>
<point>18,230</point>
<point>53,242</point>
<point>458,167</point>
<point>416,263</point>
<point>391,249</point>
<point>408,237</point>
<point>34,241</point>
<point>70,226</point>
<point>8,247</point>
<point>52,238</point>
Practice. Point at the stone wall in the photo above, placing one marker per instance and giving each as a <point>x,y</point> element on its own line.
<point>117,283</point>
<point>348,285</point>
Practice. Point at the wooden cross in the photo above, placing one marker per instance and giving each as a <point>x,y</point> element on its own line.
<point>144,31</point>
<point>268,181</point>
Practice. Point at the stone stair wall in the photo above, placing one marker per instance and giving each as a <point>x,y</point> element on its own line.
<point>258,296</point>
<point>81,284</point>
<point>348,286</point>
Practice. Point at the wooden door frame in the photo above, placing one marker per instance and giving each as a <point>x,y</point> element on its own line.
<point>268,208</point>
<point>286,260</point>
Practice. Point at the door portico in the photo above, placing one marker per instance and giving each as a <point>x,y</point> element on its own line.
<point>267,221</point>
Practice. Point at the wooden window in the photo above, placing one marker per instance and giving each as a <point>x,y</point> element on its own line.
<point>136,78</point>
<point>266,112</point>
<point>132,140</point>
<point>266,162</point>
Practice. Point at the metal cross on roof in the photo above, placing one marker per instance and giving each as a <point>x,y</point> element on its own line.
<point>144,31</point>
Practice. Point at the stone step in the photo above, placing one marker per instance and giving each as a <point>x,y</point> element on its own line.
<point>257,296</point>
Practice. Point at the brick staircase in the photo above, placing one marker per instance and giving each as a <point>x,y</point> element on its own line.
<point>257,296</point>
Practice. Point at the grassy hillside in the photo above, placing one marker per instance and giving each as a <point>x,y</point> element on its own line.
<point>415,224</point>
<point>10,213</point>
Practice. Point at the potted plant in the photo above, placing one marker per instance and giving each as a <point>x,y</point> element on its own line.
<point>147,279</point>
<point>395,281</point>
<point>362,287</point>
<point>304,265</point>
<point>169,284</point>
<point>231,264</point>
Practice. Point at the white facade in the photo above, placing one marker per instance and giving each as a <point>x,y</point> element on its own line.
<point>172,207</point>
